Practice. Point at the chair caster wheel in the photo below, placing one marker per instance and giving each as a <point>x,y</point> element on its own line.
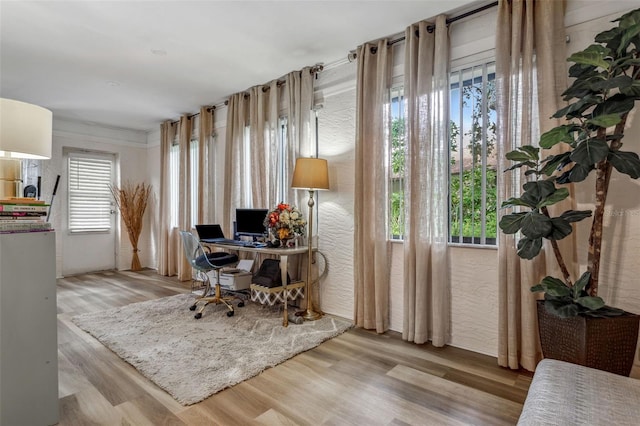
<point>198,315</point>
<point>230,313</point>
<point>240,304</point>
<point>192,308</point>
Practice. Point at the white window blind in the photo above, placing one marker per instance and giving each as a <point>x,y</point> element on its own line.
<point>89,194</point>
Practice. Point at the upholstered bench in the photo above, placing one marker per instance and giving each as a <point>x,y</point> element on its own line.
<point>568,394</point>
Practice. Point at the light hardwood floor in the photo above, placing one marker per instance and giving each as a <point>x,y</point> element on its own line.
<point>358,378</point>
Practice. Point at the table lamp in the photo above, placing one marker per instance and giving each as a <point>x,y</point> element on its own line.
<point>25,132</point>
<point>311,174</point>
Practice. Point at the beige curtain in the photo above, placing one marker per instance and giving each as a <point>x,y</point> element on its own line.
<point>530,61</point>
<point>426,262</point>
<point>371,245</point>
<point>235,167</point>
<point>301,133</point>
<point>184,190</point>
<point>166,255</point>
<point>252,175</point>
<point>206,170</point>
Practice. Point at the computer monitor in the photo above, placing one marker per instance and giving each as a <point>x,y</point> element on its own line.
<point>250,222</point>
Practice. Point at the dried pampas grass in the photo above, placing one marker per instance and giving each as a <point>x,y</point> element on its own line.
<point>132,202</point>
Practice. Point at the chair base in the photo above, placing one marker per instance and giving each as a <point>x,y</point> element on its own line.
<point>216,298</point>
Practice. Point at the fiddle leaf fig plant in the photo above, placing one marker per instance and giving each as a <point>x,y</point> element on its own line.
<point>605,89</point>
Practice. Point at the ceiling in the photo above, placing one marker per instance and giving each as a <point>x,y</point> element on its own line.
<point>134,64</point>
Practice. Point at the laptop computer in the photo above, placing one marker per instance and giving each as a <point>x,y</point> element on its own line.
<point>210,233</point>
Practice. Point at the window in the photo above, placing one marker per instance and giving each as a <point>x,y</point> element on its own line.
<point>280,159</point>
<point>174,182</point>
<point>90,198</point>
<point>473,179</point>
<point>396,155</point>
<point>283,184</point>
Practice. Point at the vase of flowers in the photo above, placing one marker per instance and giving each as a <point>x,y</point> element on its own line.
<point>284,223</point>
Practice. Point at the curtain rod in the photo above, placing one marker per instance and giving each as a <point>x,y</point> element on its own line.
<point>313,70</point>
<point>352,55</point>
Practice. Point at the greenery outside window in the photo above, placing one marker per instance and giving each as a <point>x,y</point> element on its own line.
<point>397,149</point>
<point>473,179</point>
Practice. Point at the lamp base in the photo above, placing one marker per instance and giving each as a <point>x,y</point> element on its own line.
<point>310,315</point>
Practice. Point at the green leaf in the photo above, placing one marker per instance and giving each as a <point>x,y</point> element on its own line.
<point>578,173</point>
<point>513,202</point>
<point>575,215</point>
<point>581,89</point>
<point>592,55</point>
<point>581,284</point>
<point>618,82</point>
<point>555,162</point>
<point>511,223</point>
<point>523,153</point>
<point>529,248</point>
<point>579,70</point>
<point>625,162</point>
<point>610,37</point>
<point>591,303</point>
<point>529,164</point>
<point>561,228</point>
<point>628,35</point>
<point>628,19</point>
<point>616,104</point>
<point>556,135</point>
<point>555,287</point>
<point>633,90</point>
<point>590,152</point>
<point>605,120</point>
<point>556,197</point>
<point>536,191</point>
<point>535,225</point>
<point>577,108</point>
<point>537,288</point>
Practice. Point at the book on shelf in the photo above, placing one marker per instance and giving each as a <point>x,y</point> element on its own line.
<point>24,226</point>
<point>23,231</point>
<point>19,208</point>
<point>7,214</point>
<point>22,200</point>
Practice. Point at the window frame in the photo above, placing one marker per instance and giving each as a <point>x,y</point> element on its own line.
<point>106,203</point>
<point>174,181</point>
<point>483,60</point>
<point>484,241</point>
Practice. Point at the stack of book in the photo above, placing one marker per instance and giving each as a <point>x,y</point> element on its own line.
<point>23,215</point>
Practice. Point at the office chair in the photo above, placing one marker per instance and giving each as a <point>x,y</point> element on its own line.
<point>205,262</point>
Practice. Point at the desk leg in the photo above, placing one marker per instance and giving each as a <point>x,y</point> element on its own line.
<point>284,262</point>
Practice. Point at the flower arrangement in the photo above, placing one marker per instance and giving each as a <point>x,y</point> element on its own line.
<point>285,222</point>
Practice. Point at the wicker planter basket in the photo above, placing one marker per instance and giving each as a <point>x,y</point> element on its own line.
<point>607,344</point>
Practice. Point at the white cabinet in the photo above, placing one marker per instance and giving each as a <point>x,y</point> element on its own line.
<point>28,330</point>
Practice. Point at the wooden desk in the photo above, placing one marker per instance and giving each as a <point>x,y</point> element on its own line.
<point>282,253</point>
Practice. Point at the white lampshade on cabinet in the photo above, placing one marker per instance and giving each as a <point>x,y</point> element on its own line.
<point>25,130</point>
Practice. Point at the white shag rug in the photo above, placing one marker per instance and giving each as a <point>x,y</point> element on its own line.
<point>193,359</point>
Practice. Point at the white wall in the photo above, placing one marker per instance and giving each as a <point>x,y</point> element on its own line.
<point>130,149</point>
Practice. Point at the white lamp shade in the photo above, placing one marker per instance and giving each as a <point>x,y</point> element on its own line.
<point>25,130</point>
<point>310,173</point>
